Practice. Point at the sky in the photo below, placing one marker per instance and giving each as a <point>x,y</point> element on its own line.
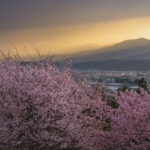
<point>67,26</point>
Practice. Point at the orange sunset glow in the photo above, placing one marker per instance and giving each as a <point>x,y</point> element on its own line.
<point>74,35</point>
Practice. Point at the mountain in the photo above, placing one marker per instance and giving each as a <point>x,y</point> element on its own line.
<point>127,55</point>
<point>126,50</point>
<point>130,55</point>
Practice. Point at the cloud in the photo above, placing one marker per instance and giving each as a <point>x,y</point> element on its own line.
<point>19,14</point>
<point>71,38</point>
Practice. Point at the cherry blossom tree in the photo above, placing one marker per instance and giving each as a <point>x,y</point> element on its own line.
<point>43,107</point>
<point>131,121</point>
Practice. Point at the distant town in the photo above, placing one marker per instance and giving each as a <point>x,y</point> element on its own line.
<point>112,80</point>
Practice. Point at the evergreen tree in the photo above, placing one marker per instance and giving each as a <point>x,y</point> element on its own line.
<point>142,83</point>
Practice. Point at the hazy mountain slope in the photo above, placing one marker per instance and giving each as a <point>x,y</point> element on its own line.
<point>130,49</point>
<point>116,65</point>
<point>127,55</point>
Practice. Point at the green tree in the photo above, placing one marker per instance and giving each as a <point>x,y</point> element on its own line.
<point>142,83</point>
<point>123,88</point>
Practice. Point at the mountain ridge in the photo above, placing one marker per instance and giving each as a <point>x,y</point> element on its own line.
<point>127,55</point>
<point>129,49</point>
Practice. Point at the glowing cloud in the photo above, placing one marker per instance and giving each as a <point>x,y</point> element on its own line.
<point>73,38</point>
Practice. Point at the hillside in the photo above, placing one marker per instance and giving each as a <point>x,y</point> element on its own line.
<point>127,55</point>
